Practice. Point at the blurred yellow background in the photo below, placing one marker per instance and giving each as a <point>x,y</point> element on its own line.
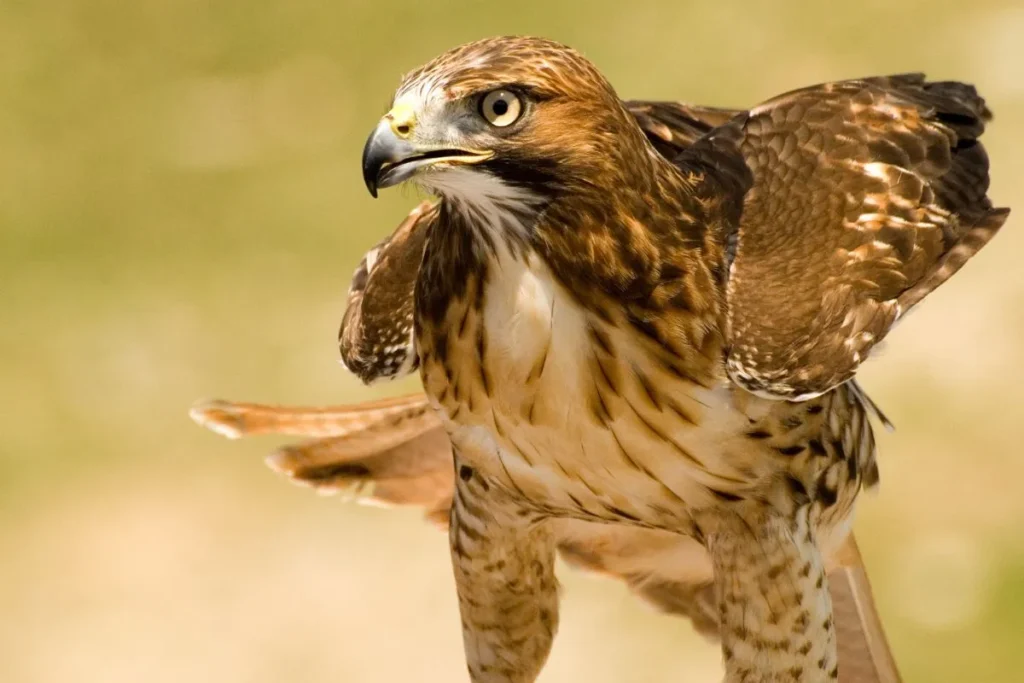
<point>180,210</point>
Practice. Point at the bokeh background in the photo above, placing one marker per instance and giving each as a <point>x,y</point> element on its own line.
<point>180,210</point>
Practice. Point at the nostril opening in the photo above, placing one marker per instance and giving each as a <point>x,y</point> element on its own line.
<point>402,129</point>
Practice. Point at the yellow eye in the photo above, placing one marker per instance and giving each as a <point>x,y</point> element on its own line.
<point>501,108</point>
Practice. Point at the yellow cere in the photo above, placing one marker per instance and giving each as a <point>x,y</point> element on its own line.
<point>402,118</point>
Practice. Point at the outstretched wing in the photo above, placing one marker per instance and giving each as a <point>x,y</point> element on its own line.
<point>866,196</point>
<point>376,335</point>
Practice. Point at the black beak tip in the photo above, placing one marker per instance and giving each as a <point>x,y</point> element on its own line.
<point>381,154</point>
<point>370,173</point>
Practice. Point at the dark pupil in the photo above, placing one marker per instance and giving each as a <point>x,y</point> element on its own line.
<point>499,107</point>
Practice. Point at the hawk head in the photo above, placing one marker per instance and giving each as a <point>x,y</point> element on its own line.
<point>517,116</point>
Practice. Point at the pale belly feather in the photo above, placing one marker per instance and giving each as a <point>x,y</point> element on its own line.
<point>531,424</point>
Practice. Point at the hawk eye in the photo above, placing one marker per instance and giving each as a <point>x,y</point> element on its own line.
<point>501,107</point>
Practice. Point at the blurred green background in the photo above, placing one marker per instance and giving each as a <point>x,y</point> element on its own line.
<point>180,210</point>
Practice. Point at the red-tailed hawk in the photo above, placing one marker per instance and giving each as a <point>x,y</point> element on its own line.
<point>615,334</point>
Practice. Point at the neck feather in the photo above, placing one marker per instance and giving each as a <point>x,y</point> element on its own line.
<point>486,203</point>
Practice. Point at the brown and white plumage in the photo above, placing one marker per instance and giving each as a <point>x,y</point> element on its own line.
<point>607,332</point>
<point>376,335</point>
<point>393,452</point>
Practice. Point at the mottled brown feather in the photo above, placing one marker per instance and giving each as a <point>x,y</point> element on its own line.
<point>867,195</point>
<point>376,334</point>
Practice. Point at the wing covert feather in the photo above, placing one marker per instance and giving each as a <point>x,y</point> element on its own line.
<point>673,126</point>
<point>867,195</point>
<point>376,335</point>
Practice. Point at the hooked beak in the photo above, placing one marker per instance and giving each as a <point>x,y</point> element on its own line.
<point>389,157</point>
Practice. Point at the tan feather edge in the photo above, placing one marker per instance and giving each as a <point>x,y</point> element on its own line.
<point>864,653</point>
